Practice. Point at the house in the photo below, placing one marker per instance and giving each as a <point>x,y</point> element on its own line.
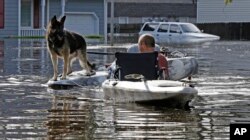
<point>87,17</point>
<point>91,17</point>
<point>216,11</point>
<point>30,17</point>
<point>129,15</point>
<point>140,11</point>
<point>231,21</point>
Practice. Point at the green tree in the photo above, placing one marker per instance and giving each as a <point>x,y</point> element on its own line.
<point>228,1</point>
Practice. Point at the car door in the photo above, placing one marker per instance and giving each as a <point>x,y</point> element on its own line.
<point>162,33</point>
<point>175,33</point>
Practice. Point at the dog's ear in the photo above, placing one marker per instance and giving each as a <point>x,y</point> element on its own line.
<point>53,19</point>
<point>62,20</point>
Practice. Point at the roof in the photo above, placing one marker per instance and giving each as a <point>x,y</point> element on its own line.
<point>154,10</point>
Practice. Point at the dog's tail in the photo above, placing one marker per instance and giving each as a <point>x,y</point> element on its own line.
<point>92,66</point>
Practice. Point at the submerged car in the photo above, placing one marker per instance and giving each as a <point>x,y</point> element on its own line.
<point>176,33</point>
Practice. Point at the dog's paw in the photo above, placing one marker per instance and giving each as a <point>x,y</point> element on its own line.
<point>53,79</point>
<point>62,78</point>
<point>93,66</point>
<point>90,73</point>
<point>69,72</point>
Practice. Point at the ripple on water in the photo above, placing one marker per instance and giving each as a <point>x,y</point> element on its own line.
<point>31,111</point>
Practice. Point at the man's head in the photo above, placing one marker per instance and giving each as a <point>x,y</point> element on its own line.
<point>146,43</point>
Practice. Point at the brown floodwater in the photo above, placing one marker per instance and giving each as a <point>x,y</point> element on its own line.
<point>29,110</point>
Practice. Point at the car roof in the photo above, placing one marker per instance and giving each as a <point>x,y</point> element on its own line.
<point>168,22</point>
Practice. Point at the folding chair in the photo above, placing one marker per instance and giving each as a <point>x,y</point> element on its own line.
<point>144,64</point>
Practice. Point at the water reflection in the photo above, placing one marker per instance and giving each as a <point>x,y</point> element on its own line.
<point>1,55</point>
<point>24,57</point>
<point>30,111</point>
<point>68,119</point>
<point>75,118</point>
<point>23,107</point>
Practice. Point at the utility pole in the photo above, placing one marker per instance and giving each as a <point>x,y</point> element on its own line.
<point>112,24</point>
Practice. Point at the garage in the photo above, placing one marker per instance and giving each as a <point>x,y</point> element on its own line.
<point>82,23</point>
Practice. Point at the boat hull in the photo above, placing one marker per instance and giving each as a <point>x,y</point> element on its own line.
<point>78,78</point>
<point>180,68</point>
<point>148,91</point>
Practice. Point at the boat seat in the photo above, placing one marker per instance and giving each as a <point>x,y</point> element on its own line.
<point>144,64</point>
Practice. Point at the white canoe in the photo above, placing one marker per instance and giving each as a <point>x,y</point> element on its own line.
<point>180,68</point>
<point>78,78</point>
<point>144,91</point>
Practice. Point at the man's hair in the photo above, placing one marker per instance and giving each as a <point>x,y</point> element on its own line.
<point>147,39</point>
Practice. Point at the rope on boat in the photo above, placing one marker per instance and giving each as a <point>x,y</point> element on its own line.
<point>77,84</point>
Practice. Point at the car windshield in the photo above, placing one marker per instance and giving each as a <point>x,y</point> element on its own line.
<point>150,27</point>
<point>189,28</point>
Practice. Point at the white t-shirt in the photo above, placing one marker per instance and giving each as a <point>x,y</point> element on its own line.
<point>135,48</point>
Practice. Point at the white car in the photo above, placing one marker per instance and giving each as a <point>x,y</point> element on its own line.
<point>176,33</point>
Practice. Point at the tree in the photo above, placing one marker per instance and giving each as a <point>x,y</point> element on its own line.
<point>228,1</point>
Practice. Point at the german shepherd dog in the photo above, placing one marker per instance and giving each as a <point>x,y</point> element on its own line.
<point>68,46</point>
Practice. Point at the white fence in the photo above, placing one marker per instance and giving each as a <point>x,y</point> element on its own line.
<point>32,32</point>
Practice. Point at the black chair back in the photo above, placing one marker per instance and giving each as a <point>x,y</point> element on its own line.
<point>145,64</point>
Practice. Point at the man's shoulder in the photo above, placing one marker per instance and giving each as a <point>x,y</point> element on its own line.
<point>135,49</point>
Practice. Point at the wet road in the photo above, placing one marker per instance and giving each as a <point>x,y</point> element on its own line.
<point>28,110</point>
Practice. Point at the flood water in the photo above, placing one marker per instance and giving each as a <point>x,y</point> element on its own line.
<point>28,110</point>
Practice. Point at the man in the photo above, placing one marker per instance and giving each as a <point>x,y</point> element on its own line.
<point>146,43</point>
